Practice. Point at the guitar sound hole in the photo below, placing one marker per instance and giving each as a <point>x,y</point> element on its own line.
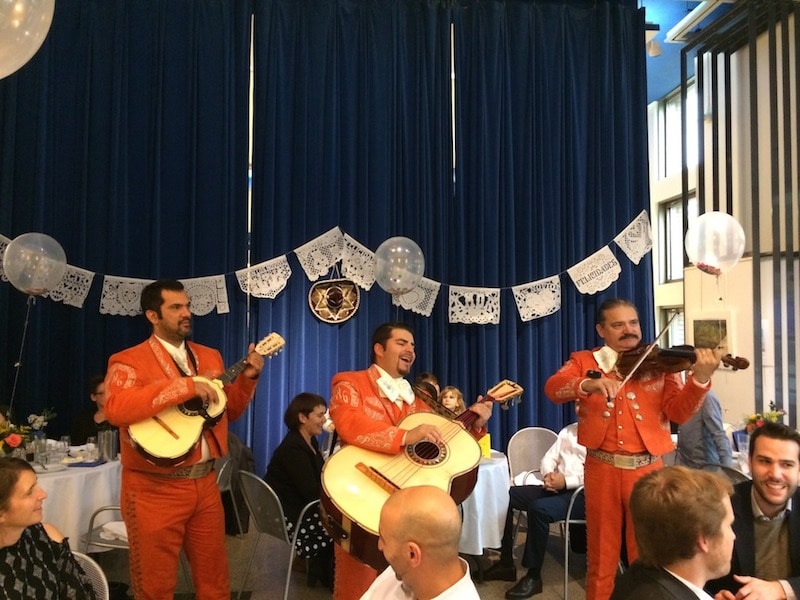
<point>427,453</point>
<point>193,407</point>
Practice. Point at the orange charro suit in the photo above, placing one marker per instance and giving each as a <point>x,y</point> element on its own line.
<point>363,416</point>
<point>161,513</point>
<point>635,422</point>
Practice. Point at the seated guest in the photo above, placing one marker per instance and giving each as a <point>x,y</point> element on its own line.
<point>419,532</point>
<point>766,554</point>
<point>702,442</point>
<point>683,521</point>
<point>453,400</point>
<point>35,559</point>
<point>430,379</point>
<point>93,418</point>
<point>560,473</point>
<point>294,473</point>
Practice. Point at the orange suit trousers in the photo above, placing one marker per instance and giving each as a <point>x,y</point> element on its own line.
<point>608,491</point>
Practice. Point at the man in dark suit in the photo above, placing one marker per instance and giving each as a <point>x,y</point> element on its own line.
<point>683,522</point>
<point>766,556</point>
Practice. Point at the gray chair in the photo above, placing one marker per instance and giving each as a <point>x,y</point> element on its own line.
<point>565,524</point>
<point>525,451</point>
<point>93,537</point>
<point>267,514</point>
<point>225,469</point>
<point>95,574</point>
<point>734,475</point>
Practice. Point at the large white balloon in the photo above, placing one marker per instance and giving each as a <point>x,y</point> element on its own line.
<point>23,27</point>
<point>34,263</point>
<point>715,242</point>
<point>399,265</point>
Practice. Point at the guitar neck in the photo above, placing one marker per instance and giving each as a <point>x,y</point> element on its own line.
<point>468,417</point>
<point>231,372</point>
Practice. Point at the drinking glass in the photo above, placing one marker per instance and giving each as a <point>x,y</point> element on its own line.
<point>91,448</point>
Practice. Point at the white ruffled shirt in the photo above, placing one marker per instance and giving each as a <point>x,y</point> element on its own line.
<point>398,390</point>
<point>387,587</point>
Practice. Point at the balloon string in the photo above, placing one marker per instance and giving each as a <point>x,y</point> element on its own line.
<point>18,364</point>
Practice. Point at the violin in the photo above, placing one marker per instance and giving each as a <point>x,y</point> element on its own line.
<point>668,360</point>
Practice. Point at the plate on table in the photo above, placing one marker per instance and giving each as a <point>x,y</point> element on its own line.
<point>51,468</point>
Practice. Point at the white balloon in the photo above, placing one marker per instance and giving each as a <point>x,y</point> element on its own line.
<point>34,263</point>
<point>399,265</point>
<point>23,27</point>
<point>715,242</point>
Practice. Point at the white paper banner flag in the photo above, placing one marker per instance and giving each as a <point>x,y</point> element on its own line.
<point>476,306</point>
<point>73,287</point>
<point>358,263</point>
<point>207,293</point>
<point>538,298</point>
<point>266,279</point>
<point>421,299</point>
<point>4,242</point>
<point>319,255</point>
<point>122,295</point>
<point>636,239</point>
<point>597,272</point>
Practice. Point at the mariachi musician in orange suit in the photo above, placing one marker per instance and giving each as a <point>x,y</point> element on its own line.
<point>625,430</point>
<point>166,508</point>
<point>366,407</point>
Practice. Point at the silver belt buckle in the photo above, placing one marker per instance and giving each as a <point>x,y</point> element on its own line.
<point>625,461</point>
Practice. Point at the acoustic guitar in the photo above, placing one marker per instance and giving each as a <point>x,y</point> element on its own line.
<point>356,482</point>
<point>169,437</point>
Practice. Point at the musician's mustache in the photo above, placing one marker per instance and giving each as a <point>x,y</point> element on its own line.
<point>629,336</point>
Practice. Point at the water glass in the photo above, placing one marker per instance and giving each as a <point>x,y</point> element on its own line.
<point>41,453</point>
<point>91,448</point>
<point>67,440</point>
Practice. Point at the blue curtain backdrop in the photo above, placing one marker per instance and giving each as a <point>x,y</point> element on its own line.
<point>126,139</point>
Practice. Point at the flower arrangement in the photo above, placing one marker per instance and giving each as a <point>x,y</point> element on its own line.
<point>39,422</point>
<point>13,437</point>
<point>758,419</point>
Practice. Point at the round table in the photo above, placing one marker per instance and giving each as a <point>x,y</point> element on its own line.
<point>484,511</point>
<point>75,493</point>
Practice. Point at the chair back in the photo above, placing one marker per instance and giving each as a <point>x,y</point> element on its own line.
<point>95,575</point>
<point>527,447</point>
<point>224,468</point>
<point>264,505</point>
<point>734,475</point>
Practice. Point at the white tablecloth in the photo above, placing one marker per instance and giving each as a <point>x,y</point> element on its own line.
<point>484,511</point>
<point>75,493</point>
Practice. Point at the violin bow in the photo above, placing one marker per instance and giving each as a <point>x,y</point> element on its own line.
<point>646,353</point>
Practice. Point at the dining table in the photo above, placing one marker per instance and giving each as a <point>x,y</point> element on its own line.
<point>484,510</point>
<point>75,492</point>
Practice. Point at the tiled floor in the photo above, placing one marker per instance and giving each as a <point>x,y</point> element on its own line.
<point>267,575</point>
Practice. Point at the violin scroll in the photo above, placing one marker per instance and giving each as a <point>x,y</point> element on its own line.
<point>735,362</point>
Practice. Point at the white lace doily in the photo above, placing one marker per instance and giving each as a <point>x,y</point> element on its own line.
<point>4,242</point>
<point>265,280</point>
<point>538,298</point>
<point>421,299</point>
<point>358,263</point>
<point>636,239</point>
<point>597,272</point>
<point>319,255</point>
<point>122,295</point>
<point>207,293</point>
<point>73,287</point>
<point>473,305</point>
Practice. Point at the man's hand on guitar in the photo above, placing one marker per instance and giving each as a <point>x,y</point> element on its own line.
<point>423,433</point>
<point>206,391</point>
<point>255,362</point>
<point>484,412</point>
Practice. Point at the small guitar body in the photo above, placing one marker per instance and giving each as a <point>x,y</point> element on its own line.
<point>168,438</point>
<point>357,482</point>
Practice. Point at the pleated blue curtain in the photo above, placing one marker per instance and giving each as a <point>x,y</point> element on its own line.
<point>353,128</point>
<point>125,139</point>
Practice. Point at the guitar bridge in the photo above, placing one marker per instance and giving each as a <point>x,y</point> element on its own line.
<point>375,476</point>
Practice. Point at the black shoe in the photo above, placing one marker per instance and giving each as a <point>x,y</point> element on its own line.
<point>525,588</point>
<point>498,572</point>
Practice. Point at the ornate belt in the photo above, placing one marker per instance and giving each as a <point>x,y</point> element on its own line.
<point>195,471</point>
<point>623,461</point>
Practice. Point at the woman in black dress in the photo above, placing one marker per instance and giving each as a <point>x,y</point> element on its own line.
<point>294,473</point>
